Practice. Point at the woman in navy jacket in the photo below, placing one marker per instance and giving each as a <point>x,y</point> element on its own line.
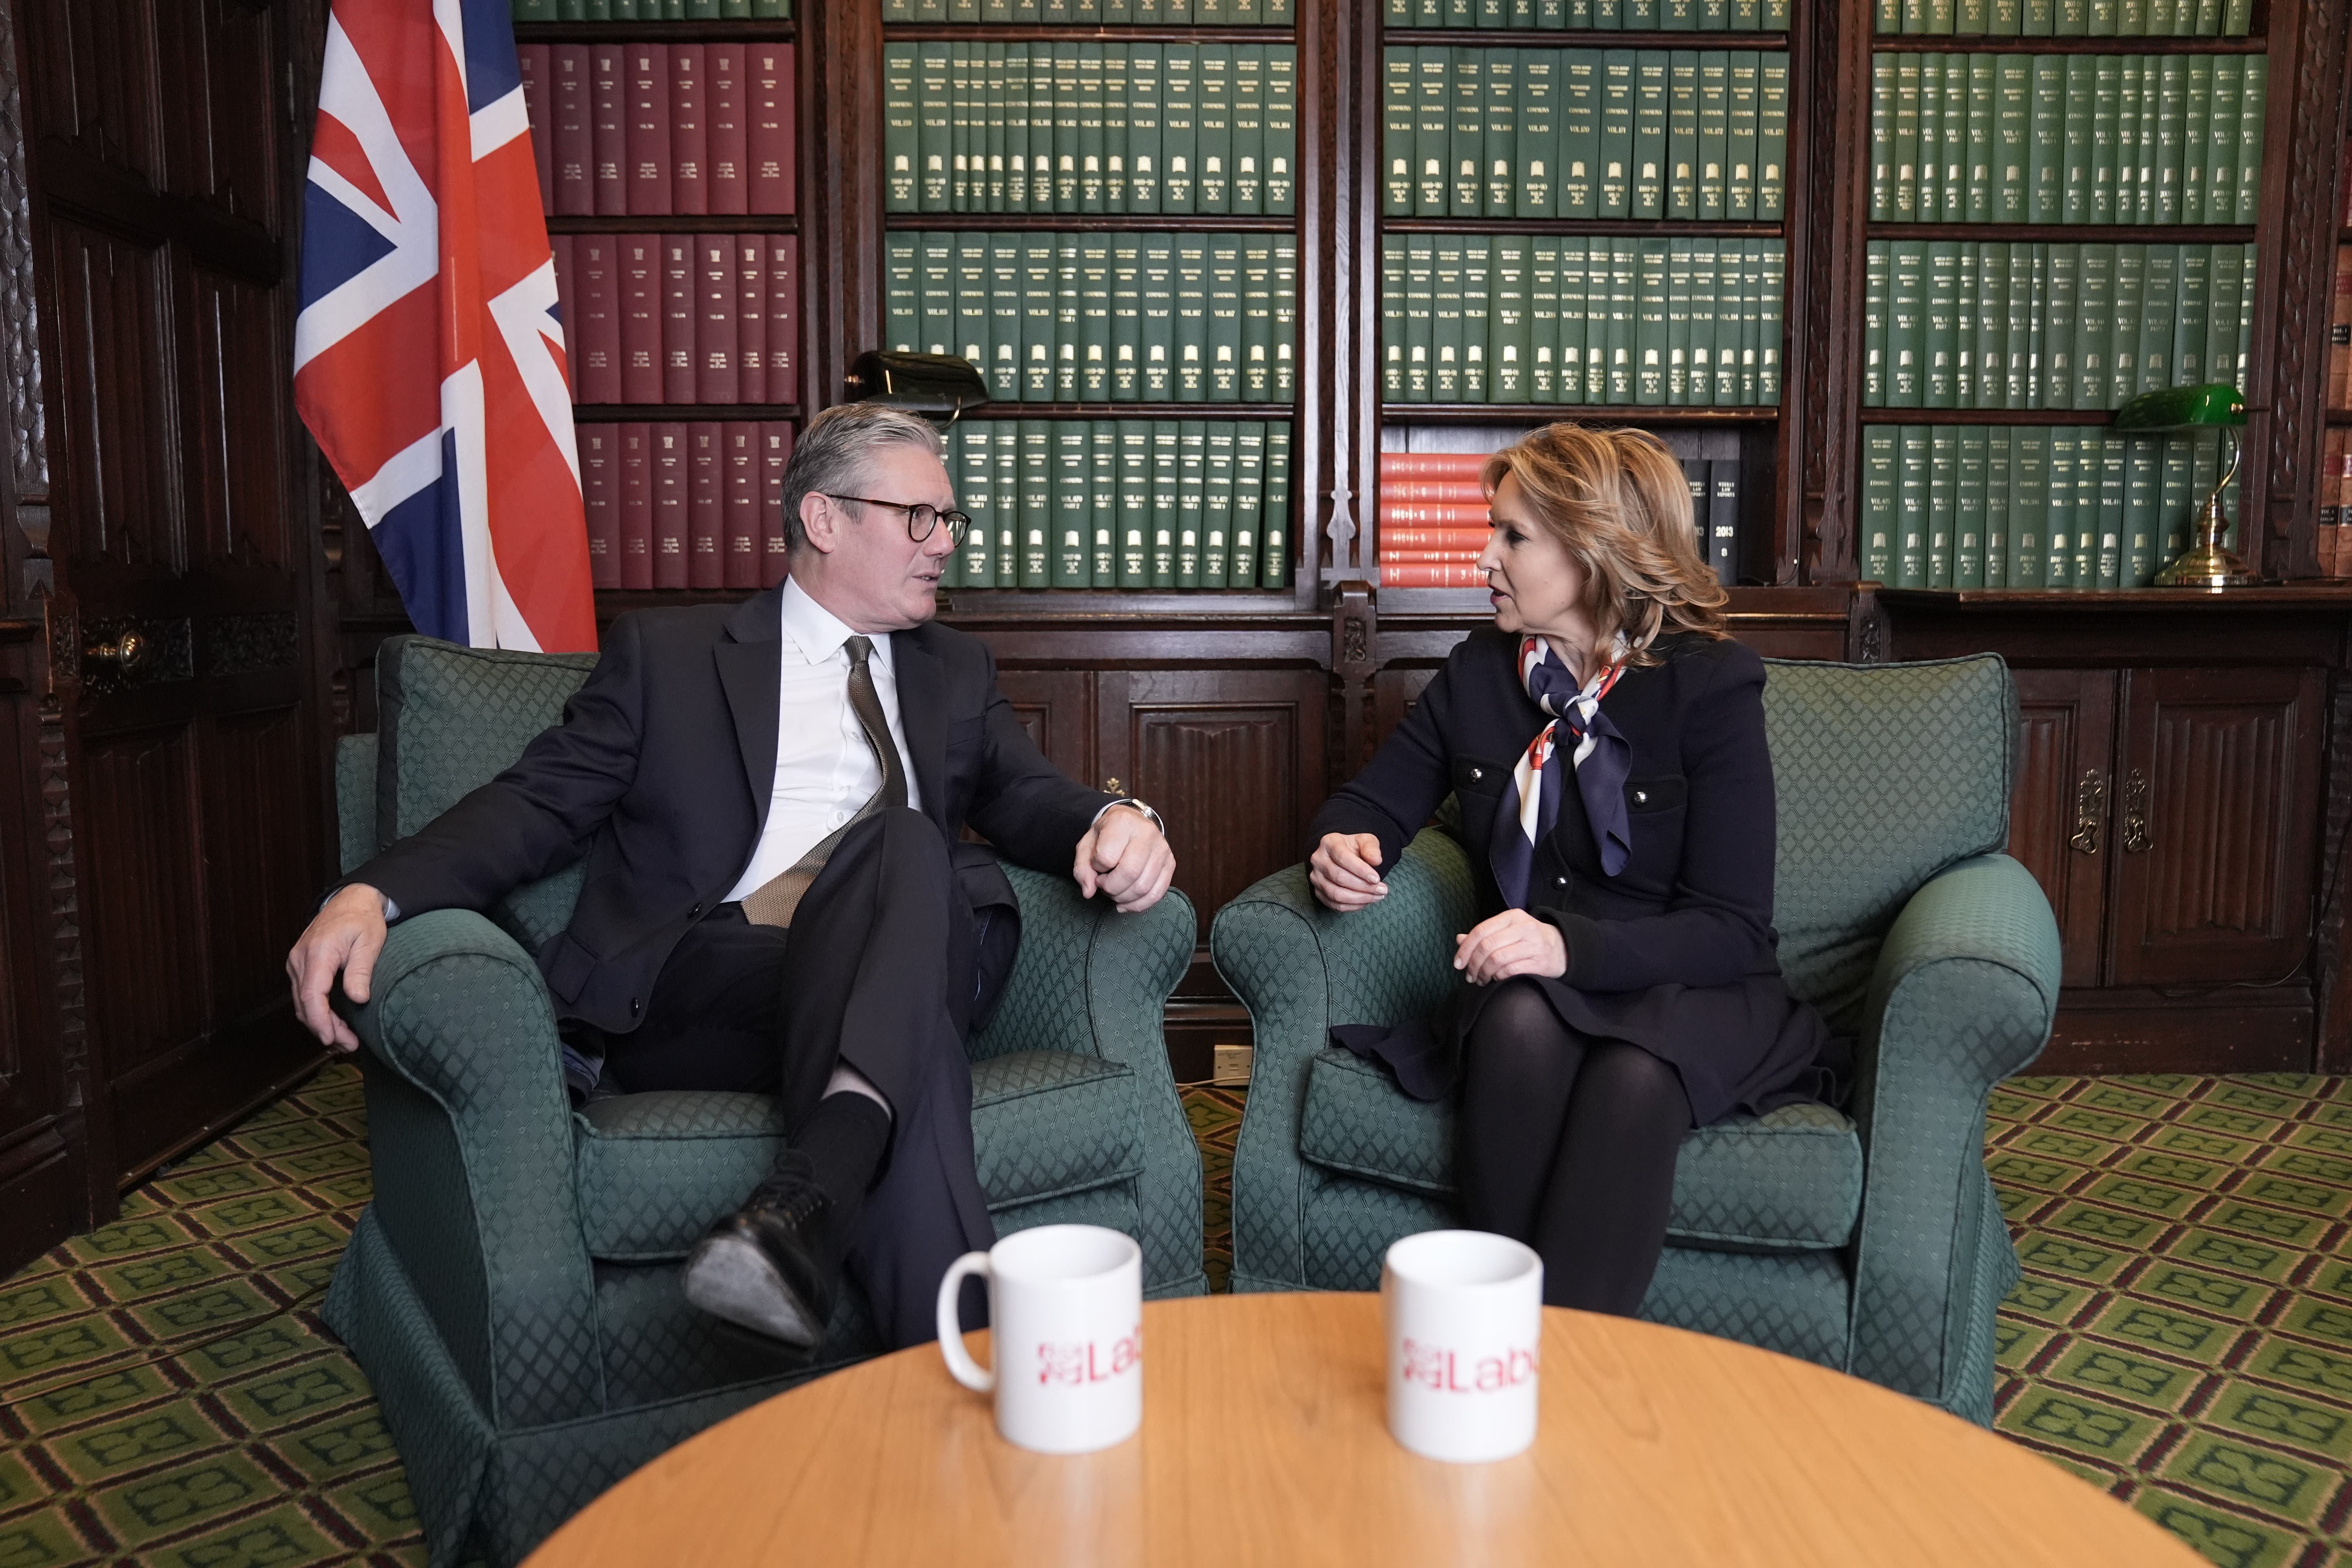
<point>1605,743</point>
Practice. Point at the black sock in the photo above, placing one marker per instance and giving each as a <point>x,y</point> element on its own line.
<point>843,1142</point>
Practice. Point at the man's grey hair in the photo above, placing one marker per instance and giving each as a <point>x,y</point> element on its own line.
<point>835,451</point>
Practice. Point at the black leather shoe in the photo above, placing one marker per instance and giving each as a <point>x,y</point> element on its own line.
<point>768,1266</point>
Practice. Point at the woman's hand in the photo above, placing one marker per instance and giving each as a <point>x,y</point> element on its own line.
<point>1343,871</point>
<point>1513,942</point>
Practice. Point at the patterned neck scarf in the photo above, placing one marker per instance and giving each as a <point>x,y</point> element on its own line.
<point>1598,754</point>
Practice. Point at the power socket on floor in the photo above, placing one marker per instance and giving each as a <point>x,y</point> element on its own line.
<point>1229,1066</point>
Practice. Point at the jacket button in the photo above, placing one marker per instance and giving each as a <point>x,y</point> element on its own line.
<point>1641,797</point>
<point>1560,882</point>
<point>695,912</point>
<point>635,1007</point>
<point>1478,774</point>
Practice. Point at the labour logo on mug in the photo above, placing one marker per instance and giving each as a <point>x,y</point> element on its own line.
<point>1447,1371</point>
<point>1090,1360</point>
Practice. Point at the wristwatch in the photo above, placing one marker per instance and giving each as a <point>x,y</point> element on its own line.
<point>1129,800</point>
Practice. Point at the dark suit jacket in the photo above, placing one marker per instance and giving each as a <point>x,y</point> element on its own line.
<point>1693,904</point>
<point>661,774</point>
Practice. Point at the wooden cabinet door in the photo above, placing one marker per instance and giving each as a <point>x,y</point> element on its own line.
<point>2059,818</point>
<point>2218,777</point>
<point>162,172</point>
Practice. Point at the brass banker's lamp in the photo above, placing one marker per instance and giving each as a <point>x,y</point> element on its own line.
<point>2182,411</point>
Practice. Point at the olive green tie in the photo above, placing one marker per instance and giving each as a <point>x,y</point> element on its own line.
<point>772,903</point>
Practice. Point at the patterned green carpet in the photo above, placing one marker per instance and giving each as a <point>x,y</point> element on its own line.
<point>2183,1337</point>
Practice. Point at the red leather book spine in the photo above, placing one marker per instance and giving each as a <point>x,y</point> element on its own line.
<point>532,60</point>
<point>677,308</point>
<point>560,250</point>
<point>707,505</point>
<point>751,252</point>
<point>670,505</point>
<point>639,260</point>
<point>1462,542</point>
<point>784,318</point>
<point>600,495</point>
<point>1432,514</point>
<point>689,131</point>
<point>729,145</point>
<point>574,144</point>
<point>592,330</point>
<point>648,68</point>
<point>1459,466</point>
<point>636,506</point>
<point>608,127</point>
<point>715,284</point>
<point>775,453</point>
<point>1431,574</point>
<point>771,141</point>
<point>742,456</point>
<point>1449,492</point>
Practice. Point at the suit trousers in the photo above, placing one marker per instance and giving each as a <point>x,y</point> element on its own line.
<point>876,973</point>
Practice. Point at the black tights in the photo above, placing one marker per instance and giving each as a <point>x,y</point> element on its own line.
<point>1567,1143</point>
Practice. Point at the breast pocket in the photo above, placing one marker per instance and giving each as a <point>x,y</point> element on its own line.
<point>1659,794</point>
<point>1477,777</point>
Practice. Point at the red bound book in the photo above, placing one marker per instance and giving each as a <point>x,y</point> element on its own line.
<point>574,144</point>
<point>600,494</point>
<point>715,286</point>
<point>1428,574</point>
<point>638,257</point>
<point>784,318</point>
<point>751,317</point>
<point>1460,541</point>
<point>677,313</point>
<point>608,127</point>
<point>636,506</point>
<point>689,131</point>
<point>1442,514</point>
<point>731,176</point>
<point>706,505</point>
<point>1431,466</point>
<point>592,330</point>
<point>648,89</point>
<point>533,61</point>
<point>769,113</point>
<point>560,251</point>
<point>1450,491</point>
<point>670,504</point>
<point>1403,556</point>
<point>742,568</point>
<point>775,452</point>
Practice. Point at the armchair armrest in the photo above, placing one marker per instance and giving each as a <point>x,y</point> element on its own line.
<point>1963,994</point>
<point>471,1132</point>
<point>1300,968</point>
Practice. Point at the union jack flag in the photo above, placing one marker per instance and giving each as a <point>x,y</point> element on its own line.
<point>428,355</point>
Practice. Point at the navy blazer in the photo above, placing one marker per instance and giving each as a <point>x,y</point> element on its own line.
<point>1693,903</point>
<point>661,774</point>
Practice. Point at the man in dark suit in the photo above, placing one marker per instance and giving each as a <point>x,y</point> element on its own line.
<point>770,798</point>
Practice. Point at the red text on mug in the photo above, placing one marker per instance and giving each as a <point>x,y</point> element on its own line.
<point>1090,1361</point>
<point>1443,1372</point>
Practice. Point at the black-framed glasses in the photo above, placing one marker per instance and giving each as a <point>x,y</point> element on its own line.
<point>922,516</point>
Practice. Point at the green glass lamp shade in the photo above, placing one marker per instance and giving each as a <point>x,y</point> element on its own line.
<point>2178,409</point>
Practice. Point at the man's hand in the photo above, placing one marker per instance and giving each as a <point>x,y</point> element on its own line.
<point>1513,942</point>
<point>1125,856</point>
<point>1344,871</point>
<point>344,937</point>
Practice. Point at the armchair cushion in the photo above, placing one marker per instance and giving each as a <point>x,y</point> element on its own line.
<point>1790,1181</point>
<point>654,1170</point>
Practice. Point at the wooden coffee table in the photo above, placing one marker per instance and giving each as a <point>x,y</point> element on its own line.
<point>1264,1441</point>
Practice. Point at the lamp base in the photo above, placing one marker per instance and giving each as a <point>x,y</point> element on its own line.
<point>2207,562</point>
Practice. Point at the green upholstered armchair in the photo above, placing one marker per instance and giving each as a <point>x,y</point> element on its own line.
<point>512,1290</point>
<point>1867,1241</point>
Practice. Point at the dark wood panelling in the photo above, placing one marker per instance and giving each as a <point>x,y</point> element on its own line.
<point>259,881</point>
<point>2141,1029</point>
<point>114,496</point>
<point>93,61</point>
<point>236,463</point>
<point>2217,785</point>
<point>2059,821</point>
<point>1057,708</point>
<point>143,888</point>
<point>220,147</point>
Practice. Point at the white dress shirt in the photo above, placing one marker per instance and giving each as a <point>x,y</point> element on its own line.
<point>825,770</point>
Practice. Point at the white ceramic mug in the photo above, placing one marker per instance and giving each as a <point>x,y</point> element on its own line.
<point>1065,1303</point>
<point>1463,1311</point>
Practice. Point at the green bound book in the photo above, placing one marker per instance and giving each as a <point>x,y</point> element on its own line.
<point>2090,467</point>
<point>1134,523</point>
<point>1217,503</point>
<point>2123,360</point>
<point>1036,524</point>
<point>2131,80</point>
<point>1992,325</point>
<point>1882,138</point>
<point>2151,116</point>
<point>1001,545</point>
<point>1912,499</point>
<point>1248,176</point>
<point>1005,317</point>
<point>1281,130</point>
<point>1016,127</point>
<point>1745,76</point>
<point>1073,504</point>
<point>1940,363</point>
<point>1191,351</point>
<point>1191,499</point>
<point>1273,525</point>
<point>1678,323</point>
<point>1537,193</point>
<point>2029,506</point>
<point>1420,317</point>
<point>2222,139</point>
<point>1212,123</point>
<point>1068,108</point>
<point>1704,269</point>
<point>1544,375</point>
<point>1579,73</point>
<point>1615,187</point>
<point>1222,350</point>
<point>1650,94</point>
<point>1478,314</point>
<point>1978,147</point>
<point>1179,129</point>
<point>1963,325</point>
<point>1433,100</point>
<point>1713,135</point>
<point>936,285</point>
<point>1507,333</point>
<point>976,493</point>
<point>1765,257</point>
<point>1969,511</point>
<point>1393,328</point>
<point>2175,478</point>
<point>901,136</point>
<point>2195,284</point>
<point>992,72</point>
<point>1466,144</point>
<point>2106,89</point>
<point>1499,134</point>
<point>2079,160</point>
<point>1733,309</point>
<point>2058,509</point>
<point>902,299</point>
<point>1682,135</point>
<point>1882,492</point>
<point>1929,200</point>
<point>1144,161</point>
<point>1650,324</point>
<point>1908,101</point>
<point>1157,287</point>
<point>2197,132</point>
<point>1943,501</point>
<point>1094,318</point>
<point>1877,265</point>
<point>2143,493</point>
<point>1167,508</point>
<point>1445,322</point>
<point>1771,137</point>
<point>2113,488</point>
<point>2252,104</point>
<point>1257,318</point>
<point>2028,286</point>
<point>1907,324</point>
<point>2095,325</point>
<point>2058,327</point>
<point>2045,168</point>
<point>1997,506</point>
<point>2225,286</point>
<point>1624,266</point>
<point>2172,135</point>
<point>1249,503</point>
<point>1066,313</point>
<point>2159,317</point>
<point>1286,317</point>
<point>2012,146</point>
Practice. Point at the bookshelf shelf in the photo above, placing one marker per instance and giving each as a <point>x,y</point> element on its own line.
<point>1091,222</point>
<point>906,32</point>
<point>736,31</point>
<point>1648,228</point>
<point>682,413</point>
<point>673,223</point>
<point>1010,410</point>
<point>1588,413</point>
<point>1523,39</point>
<point>1977,44</point>
<point>2070,233</point>
<point>1988,416</point>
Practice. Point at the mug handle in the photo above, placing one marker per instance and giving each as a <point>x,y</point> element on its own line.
<point>961,1366</point>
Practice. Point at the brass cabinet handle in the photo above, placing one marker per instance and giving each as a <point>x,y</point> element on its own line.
<point>123,655</point>
<point>2090,812</point>
<point>2136,837</point>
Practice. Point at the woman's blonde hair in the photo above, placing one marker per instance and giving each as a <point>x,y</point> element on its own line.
<point>1618,502</point>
